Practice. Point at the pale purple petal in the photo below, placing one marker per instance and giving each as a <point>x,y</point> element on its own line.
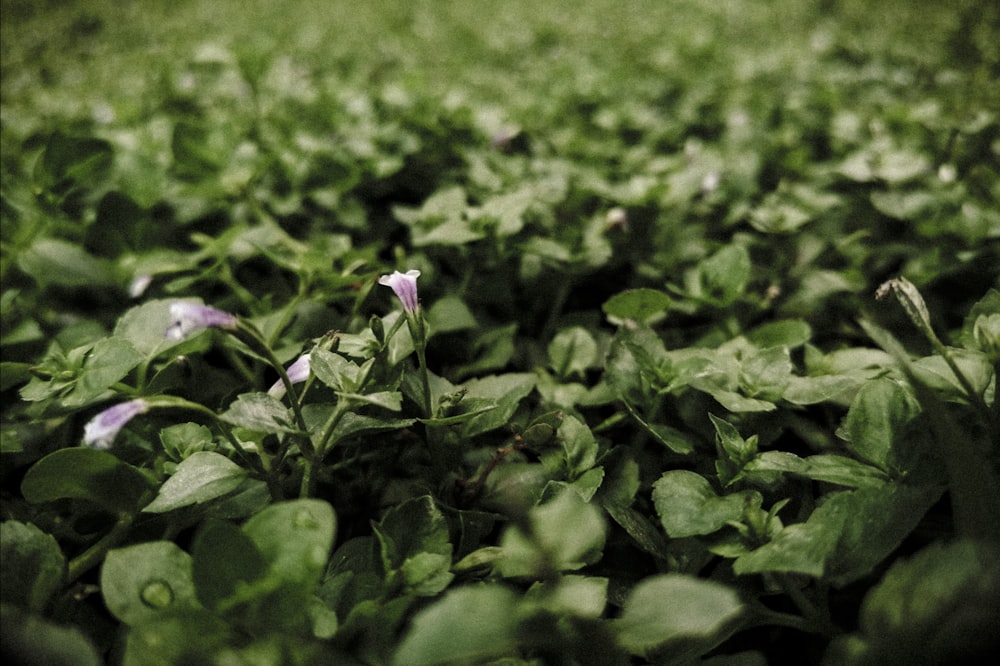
<point>188,318</point>
<point>101,430</point>
<point>297,373</point>
<point>405,287</point>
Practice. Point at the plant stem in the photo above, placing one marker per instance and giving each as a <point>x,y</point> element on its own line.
<point>89,558</point>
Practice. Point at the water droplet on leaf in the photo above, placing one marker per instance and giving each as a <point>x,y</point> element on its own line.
<point>305,520</point>
<point>157,594</point>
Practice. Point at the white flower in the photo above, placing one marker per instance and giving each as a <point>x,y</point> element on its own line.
<point>101,430</point>
<point>190,317</point>
<point>405,287</point>
<point>297,373</point>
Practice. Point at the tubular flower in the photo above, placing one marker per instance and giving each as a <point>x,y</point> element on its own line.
<point>297,372</point>
<point>405,287</point>
<point>101,430</point>
<point>188,318</point>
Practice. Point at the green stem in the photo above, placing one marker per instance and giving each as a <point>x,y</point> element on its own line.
<point>89,558</point>
<point>253,339</point>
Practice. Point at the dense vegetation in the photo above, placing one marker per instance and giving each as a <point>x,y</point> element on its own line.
<point>703,367</point>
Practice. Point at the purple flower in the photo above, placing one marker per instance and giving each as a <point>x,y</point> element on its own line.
<point>188,318</point>
<point>297,372</point>
<point>405,287</point>
<point>101,430</point>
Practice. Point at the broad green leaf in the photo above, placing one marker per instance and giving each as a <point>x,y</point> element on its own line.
<point>840,470</point>
<point>180,638</point>
<point>225,565</point>
<point>413,538</point>
<point>822,388</point>
<point>259,412</point>
<point>32,566</point>
<point>71,162</point>
<point>572,351</point>
<point>938,606</point>
<point>579,596</point>
<point>766,373</point>
<point>53,262</point>
<point>181,440</point>
<point>634,357</point>
<point>450,314</point>
<point>563,534</point>
<point>578,444</point>
<point>467,625</point>
<point>639,527</point>
<point>29,638</point>
<point>353,425</point>
<point>507,390</point>
<point>390,400</point>
<point>145,326</point>
<point>668,607</point>
<point>640,305</point>
<point>334,370</point>
<point>294,539</point>
<point>108,362</point>
<point>202,477</point>
<point>148,579</point>
<point>688,506</point>
<point>877,419</point>
<point>724,275</point>
<point>790,333</point>
<point>846,536</point>
<point>89,474</point>
<point>975,367</point>
<point>981,329</point>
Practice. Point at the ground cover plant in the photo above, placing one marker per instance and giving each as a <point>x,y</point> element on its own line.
<point>445,333</point>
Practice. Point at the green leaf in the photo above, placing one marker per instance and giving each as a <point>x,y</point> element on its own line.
<point>846,536</point>
<point>640,305</point>
<point>32,567</point>
<point>572,351</point>
<point>259,412</point>
<point>674,606</point>
<point>877,420</point>
<point>724,276</point>
<point>294,538</point>
<point>450,314</point>
<point>823,388</point>
<point>108,362</point>
<point>29,638</point>
<point>507,390</point>
<point>413,538</point>
<point>390,400</point>
<point>145,326</point>
<point>53,262</point>
<point>563,534</point>
<point>483,616</point>
<point>790,333</point>
<point>579,596</point>
<point>352,425</point>
<point>334,370</point>
<point>183,439</point>
<point>938,606</point>
<point>202,477</point>
<point>142,581</point>
<point>84,473</point>
<point>936,373</point>
<point>578,444</point>
<point>840,470</point>
<point>69,162</point>
<point>225,565</point>
<point>688,506</point>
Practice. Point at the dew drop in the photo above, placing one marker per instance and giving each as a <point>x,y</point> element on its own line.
<point>305,520</point>
<point>157,594</point>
